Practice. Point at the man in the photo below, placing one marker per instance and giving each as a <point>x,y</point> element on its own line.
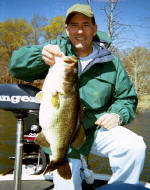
<point>105,90</point>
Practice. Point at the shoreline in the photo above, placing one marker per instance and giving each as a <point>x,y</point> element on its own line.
<point>143,103</point>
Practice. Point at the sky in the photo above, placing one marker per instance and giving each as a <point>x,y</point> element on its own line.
<point>135,13</point>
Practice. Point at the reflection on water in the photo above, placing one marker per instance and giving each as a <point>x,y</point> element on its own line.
<point>7,139</point>
<point>141,125</point>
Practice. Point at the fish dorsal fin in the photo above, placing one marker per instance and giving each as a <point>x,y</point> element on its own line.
<point>55,100</point>
<point>39,97</point>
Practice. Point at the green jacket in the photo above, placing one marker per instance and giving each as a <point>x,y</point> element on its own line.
<point>104,85</point>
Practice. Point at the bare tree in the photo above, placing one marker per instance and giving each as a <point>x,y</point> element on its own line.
<point>38,23</point>
<point>115,27</point>
<point>89,2</point>
<point>137,63</point>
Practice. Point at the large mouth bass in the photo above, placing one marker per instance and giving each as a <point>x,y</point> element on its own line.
<point>59,114</point>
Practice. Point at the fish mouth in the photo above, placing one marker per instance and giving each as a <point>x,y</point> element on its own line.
<point>71,59</point>
<point>71,71</point>
<point>69,87</point>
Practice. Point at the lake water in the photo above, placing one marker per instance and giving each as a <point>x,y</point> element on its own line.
<point>141,125</point>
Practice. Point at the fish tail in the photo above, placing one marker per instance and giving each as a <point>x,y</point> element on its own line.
<point>50,167</point>
<point>63,169</point>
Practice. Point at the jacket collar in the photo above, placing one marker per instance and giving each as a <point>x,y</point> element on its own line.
<point>104,55</point>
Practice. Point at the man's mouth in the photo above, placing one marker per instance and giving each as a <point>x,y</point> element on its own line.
<point>80,39</point>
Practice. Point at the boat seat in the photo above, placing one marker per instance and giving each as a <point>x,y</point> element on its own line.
<point>18,97</point>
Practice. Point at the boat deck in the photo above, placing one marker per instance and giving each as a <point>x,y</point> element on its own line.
<point>44,185</point>
<point>26,185</point>
<point>40,182</point>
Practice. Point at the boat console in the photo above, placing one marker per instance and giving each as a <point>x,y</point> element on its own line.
<point>20,99</point>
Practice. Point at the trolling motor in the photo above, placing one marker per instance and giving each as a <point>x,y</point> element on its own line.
<point>19,99</point>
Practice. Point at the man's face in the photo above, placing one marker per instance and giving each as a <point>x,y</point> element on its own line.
<point>80,31</point>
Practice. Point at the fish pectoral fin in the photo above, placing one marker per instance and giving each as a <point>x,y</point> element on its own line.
<point>41,140</point>
<point>79,138</point>
<point>55,100</point>
<point>39,97</point>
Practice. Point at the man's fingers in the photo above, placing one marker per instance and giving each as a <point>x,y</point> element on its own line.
<point>102,119</point>
<point>108,121</point>
<point>49,52</point>
<point>48,61</point>
<point>53,49</point>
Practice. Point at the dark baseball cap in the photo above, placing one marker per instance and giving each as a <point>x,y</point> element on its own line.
<point>79,8</point>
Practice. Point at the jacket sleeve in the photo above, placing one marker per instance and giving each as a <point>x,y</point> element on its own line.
<point>26,63</point>
<point>124,100</point>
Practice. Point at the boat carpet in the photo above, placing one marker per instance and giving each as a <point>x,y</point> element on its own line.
<point>45,185</point>
<point>26,185</point>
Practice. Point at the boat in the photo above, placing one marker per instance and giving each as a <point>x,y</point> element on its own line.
<point>45,182</point>
<point>31,162</point>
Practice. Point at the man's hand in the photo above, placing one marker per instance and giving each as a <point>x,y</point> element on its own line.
<point>108,120</point>
<point>49,52</point>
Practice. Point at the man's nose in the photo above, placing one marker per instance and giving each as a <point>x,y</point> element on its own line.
<point>80,30</point>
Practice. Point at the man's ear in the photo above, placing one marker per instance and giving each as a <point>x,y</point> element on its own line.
<point>95,29</point>
<point>66,28</point>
